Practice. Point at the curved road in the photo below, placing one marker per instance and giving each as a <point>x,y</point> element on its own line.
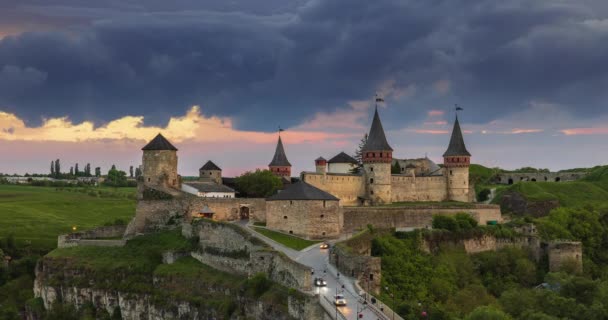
<point>318,260</point>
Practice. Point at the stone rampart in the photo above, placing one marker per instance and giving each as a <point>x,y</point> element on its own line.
<point>410,188</point>
<point>487,242</point>
<point>346,187</point>
<point>510,178</point>
<point>357,218</point>
<point>565,254</point>
<point>229,248</point>
<point>152,215</point>
<point>97,237</point>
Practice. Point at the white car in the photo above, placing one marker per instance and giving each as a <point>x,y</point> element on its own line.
<point>339,300</point>
<point>324,245</point>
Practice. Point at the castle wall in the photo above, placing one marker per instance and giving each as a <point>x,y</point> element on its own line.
<point>562,253</point>
<point>420,216</point>
<point>346,187</point>
<point>458,183</point>
<point>508,178</point>
<point>151,215</point>
<point>408,188</point>
<point>311,219</point>
<point>229,248</point>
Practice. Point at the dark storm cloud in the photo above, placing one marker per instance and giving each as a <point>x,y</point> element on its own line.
<point>269,63</point>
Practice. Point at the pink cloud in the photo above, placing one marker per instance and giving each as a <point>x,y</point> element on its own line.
<point>435,113</point>
<point>519,131</point>
<point>584,131</point>
<point>436,123</point>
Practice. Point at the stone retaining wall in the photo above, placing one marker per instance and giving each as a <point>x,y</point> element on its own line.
<point>229,248</point>
<point>93,237</point>
<point>357,218</point>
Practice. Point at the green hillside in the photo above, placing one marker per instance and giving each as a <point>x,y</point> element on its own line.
<point>591,190</point>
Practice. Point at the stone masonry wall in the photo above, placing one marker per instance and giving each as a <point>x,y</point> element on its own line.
<point>229,248</point>
<point>309,219</point>
<point>346,187</point>
<point>408,188</point>
<point>93,237</point>
<point>562,253</point>
<point>151,215</point>
<point>365,268</point>
<point>357,218</point>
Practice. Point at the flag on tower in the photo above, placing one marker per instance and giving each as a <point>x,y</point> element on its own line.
<point>458,108</point>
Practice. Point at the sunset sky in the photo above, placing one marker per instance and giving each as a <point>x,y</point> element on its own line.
<point>92,81</point>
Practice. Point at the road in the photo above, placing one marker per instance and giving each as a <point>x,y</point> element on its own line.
<point>318,260</point>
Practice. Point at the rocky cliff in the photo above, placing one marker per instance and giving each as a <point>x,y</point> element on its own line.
<point>171,297</point>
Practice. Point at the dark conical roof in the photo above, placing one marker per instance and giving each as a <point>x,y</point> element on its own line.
<point>342,157</point>
<point>159,143</point>
<point>320,159</point>
<point>302,191</point>
<point>376,141</point>
<point>210,166</point>
<point>280,159</point>
<point>457,146</point>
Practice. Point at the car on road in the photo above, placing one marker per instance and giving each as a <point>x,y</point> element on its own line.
<point>339,300</point>
<point>320,282</point>
<point>324,245</point>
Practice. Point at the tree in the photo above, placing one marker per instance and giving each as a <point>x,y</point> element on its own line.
<point>98,172</point>
<point>396,168</point>
<point>87,170</point>
<point>76,171</point>
<point>71,171</point>
<point>359,155</point>
<point>113,167</point>
<point>261,183</point>
<point>52,169</point>
<point>131,171</point>
<point>137,172</point>
<point>116,178</point>
<point>57,168</point>
<point>487,313</point>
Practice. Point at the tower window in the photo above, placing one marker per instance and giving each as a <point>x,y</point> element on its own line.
<point>284,217</point>
<point>323,207</point>
<point>371,180</point>
<point>371,168</point>
<point>322,216</point>
<point>451,173</point>
<point>371,192</point>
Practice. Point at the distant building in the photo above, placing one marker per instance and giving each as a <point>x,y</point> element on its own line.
<point>210,183</point>
<point>341,163</point>
<point>279,165</point>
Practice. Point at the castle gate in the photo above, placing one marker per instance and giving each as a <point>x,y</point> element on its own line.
<point>244,214</point>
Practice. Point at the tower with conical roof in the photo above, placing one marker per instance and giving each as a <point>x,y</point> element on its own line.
<point>279,165</point>
<point>377,157</point>
<point>159,163</point>
<point>457,160</point>
<point>210,172</point>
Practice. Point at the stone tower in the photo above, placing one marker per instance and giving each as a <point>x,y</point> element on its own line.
<point>210,172</point>
<point>377,160</point>
<point>321,165</point>
<point>457,161</point>
<point>160,163</point>
<point>279,165</point>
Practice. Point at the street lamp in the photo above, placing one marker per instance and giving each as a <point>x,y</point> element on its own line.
<point>392,296</point>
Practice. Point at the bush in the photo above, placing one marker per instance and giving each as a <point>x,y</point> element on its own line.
<point>483,195</point>
<point>487,313</point>
<point>458,222</point>
<point>258,285</point>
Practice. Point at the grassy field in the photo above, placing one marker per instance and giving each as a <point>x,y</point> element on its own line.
<point>592,190</point>
<point>39,214</point>
<point>286,240</point>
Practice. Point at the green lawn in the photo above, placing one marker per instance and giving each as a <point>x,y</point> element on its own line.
<point>286,240</point>
<point>40,214</point>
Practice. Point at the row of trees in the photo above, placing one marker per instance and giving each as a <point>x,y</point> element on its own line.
<point>55,171</point>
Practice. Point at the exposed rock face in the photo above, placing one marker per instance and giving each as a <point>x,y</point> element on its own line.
<point>54,283</point>
<point>516,203</point>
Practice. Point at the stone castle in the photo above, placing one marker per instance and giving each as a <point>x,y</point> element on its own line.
<point>341,196</point>
<point>418,179</point>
